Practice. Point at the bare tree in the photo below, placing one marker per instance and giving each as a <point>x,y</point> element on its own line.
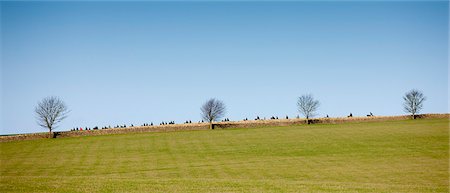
<point>307,105</point>
<point>413,102</point>
<point>50,111</point>
<point>212,110</point>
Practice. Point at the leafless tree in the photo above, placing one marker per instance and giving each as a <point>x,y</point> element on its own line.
<point>50,111</point>
<point>307,105</point>
<point>413,102</point>
<point>212,110</point>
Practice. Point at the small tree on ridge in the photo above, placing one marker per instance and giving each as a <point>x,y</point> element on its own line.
<point>49,112</point>
<point>307,105</point>
<point>212,110</point>
<point>413,102</point>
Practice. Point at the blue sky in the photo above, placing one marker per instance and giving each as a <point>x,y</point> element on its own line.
<point>123,63</point>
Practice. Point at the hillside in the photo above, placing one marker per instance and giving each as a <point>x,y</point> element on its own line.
<point>382,156</point>
<point>219,125</point>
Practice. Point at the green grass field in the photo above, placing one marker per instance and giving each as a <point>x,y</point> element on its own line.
<point>390,156</point>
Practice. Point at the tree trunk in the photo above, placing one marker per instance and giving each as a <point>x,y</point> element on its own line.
<point>50,135</point>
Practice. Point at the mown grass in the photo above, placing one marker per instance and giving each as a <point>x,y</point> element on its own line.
<point>390,156</point>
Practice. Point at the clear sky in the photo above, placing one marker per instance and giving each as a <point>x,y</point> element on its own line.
<point>123,63</point>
